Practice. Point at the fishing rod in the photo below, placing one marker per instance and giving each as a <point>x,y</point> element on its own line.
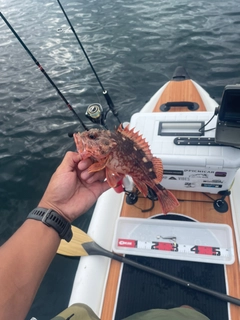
<point>42,70</point>
<point>105,93</point>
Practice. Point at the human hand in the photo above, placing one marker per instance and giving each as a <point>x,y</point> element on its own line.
<point>72,190</point>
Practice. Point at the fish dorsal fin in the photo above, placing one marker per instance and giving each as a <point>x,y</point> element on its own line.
<point>137,138</point>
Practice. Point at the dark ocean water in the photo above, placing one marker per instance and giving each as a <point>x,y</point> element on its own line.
<point>134,47</point>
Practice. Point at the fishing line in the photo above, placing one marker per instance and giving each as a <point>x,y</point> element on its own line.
<point>105,93</point>
<point>42,70</point>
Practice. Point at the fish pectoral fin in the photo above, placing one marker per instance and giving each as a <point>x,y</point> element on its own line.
<point>113,178</point>
<point>142,187</point>
<point>97,166</point>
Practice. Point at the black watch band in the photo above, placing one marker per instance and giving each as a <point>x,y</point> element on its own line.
<point>52,219</point>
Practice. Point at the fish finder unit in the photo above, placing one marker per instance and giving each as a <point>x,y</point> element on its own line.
<point>228,122</point>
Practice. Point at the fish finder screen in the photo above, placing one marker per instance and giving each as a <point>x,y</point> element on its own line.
<point>230,108</point>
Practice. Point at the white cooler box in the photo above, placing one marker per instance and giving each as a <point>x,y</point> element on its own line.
<point>204,168</point>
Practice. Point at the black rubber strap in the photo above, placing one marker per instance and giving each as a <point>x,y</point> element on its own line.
<point>52,219</point>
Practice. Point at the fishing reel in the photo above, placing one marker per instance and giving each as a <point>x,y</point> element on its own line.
<point>95,113</point>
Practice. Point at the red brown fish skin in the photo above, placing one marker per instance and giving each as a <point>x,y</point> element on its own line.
<point>125,152</point>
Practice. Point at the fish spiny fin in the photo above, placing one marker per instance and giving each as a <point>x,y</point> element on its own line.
<point>158,169</point>
<point>97,166</point>
<point>137,139</point>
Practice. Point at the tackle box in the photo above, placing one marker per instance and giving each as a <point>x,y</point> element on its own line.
<point>191,159</point>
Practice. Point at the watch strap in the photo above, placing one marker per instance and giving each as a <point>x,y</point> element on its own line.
<point>52,219</point>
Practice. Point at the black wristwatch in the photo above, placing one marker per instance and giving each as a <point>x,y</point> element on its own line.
<point>52,219</point>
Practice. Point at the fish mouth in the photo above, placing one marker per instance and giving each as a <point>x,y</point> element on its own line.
<point>79,142</point>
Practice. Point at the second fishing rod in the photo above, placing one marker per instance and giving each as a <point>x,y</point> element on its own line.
<point>95,109</point>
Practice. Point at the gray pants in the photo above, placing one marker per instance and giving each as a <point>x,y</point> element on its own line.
<point>80,311</point>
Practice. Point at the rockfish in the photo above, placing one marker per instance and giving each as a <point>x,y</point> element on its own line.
<point>125,152</point>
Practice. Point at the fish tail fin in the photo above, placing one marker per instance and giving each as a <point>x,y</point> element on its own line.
<point>167,200</point>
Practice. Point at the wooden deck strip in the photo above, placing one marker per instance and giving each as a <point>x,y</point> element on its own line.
<point>180,91</point>
<point>111,290</point>
<point>192,204</point>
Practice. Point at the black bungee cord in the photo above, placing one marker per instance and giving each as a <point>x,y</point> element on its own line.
<point>105,93</point>
<point>43,71</point>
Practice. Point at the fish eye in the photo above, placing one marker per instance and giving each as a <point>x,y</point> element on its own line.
<point>92,136</point>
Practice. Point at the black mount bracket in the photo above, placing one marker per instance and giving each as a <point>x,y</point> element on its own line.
<point>220,205</point>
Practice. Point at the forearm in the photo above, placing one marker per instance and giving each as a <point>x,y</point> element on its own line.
<point>24,259</point>
<point>26,256</point>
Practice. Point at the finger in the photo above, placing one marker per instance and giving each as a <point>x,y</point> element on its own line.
<point>69,162</point>
<point>91,177</point>
<point>84,164</point>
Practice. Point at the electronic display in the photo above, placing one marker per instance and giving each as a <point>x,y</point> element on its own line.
<point>230,106</point>
<point>228,122</point>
